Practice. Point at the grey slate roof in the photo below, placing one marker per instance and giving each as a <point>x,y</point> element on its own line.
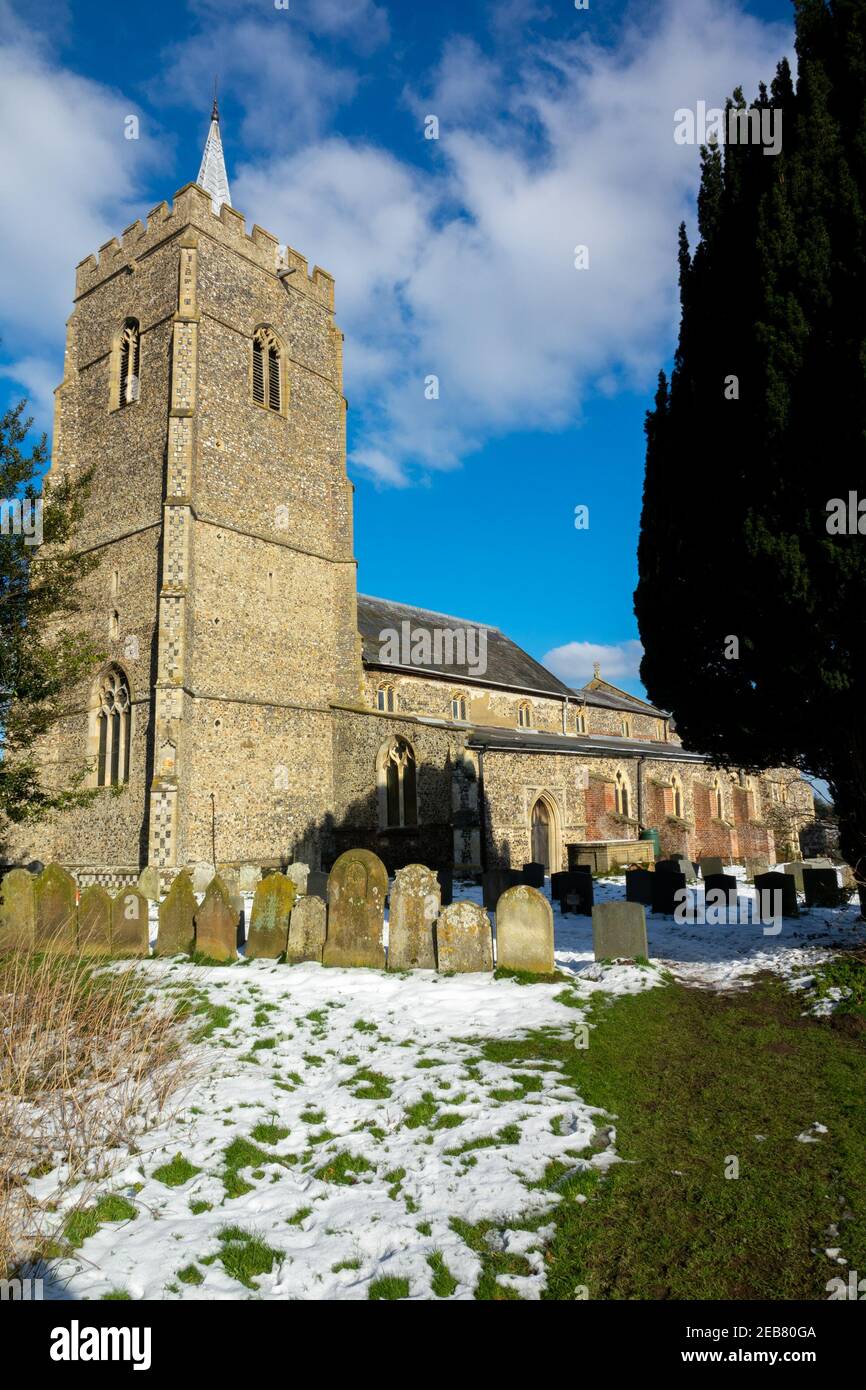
<point>507,664</point>
<point>623,702</point>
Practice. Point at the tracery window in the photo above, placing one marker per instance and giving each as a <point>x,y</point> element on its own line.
<point>267,379</point>
<point>113,726</point>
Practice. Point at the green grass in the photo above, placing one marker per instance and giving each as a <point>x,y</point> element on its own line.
<point>389,1287</point>
<point>342,1169</point>
<point>369,1085</point>
<point>245,1256</point>
<point>243,1153</point>
<point>80,1225</point>
<point>116,1296</point>
<point>269,1133</point>
<point>190,1275</point>
<point>693,1076</point>
<point>443,1283</point>
<point>299,1217</point>
<point>176,1173</point>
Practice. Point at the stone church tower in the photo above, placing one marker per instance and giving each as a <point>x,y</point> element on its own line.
<point>203,388</point>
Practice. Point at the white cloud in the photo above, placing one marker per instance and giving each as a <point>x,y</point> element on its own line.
<point>574,662</point>
<point>72,180</point>
<point>466,271</point>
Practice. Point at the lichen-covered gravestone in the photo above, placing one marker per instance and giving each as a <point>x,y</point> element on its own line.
<point>524,931</point>
<point>130,934</point>
<point>202,872</point>
<point>415,902</point>
<point>17,911</point>
<point>148,883</point>
<point>94,921</point>
<point>711,864</point>
<point>270,917</point>
<point>56,927</point>
<point>307,931</point>
<point>216,923</point>
<point>619,931</point>
<point>176,917</point>
<point>464,942</point>
<point>299,874</point>
<point>357,886</point>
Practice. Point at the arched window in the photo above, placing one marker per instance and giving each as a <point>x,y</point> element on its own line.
<point>622,795</point>
<point>677,791</point>
<point>580,722</point>
<point>718,800</point>
<point>130,356</point>
<point>625,726</point>
<point>113,727</point>
<point>459,707</point>
<point>385,699</point>
<point>398,785</point>
<point>267,374</point>
<point>524,715</point>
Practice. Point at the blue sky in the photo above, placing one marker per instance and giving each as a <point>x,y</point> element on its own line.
<point>452,257</point>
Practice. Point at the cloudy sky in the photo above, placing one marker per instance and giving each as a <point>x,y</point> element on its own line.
<point>454,257</point>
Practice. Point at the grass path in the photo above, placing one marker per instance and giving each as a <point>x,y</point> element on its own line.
<point>696,1080</point>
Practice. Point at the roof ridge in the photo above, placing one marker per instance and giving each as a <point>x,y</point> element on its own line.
<point>437,613</point>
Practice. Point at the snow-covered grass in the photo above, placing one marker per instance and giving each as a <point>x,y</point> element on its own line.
<point>346,1131</point>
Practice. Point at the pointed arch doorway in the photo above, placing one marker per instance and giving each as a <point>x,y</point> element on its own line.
<point>544,834</point>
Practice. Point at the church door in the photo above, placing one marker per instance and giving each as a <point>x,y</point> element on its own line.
<point>541,834</point>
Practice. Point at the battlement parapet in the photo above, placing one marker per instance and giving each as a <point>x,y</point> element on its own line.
<point>192,207</point>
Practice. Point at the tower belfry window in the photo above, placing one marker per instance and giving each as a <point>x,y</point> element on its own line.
<point>267,375</point>
<point>130,351</point>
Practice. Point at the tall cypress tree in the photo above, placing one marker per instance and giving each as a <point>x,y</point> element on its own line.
<point>739,478</point>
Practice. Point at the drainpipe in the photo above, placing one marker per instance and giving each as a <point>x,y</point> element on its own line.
<point>482,819</point>
<point>640,789</point>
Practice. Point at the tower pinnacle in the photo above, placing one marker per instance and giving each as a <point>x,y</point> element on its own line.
<point>212,176</point>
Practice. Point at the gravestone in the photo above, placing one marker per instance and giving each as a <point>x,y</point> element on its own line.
<point>619,931</point>
<point>17,911</point>
<point>513,877</point>
<point>667,866</point>
<point>55,893</point>
<point>579,895</point>
<point>176,933</point>
<point>202,872</point>
<point>299,874</point>
<point>130,927</point>
<point>770,884</point>
<point>307,930</point>
<point>148,883</point>
<point>494,882</point>
<point>464,942</point>
<point>249,877</point>
<point>683,865</point>
<point>665,888</point>
<point>216,923</point>
<point>269,920</point>
<point>639,886</point>
<point>724,884</point>
<point>795,869</point>
<point>563,879</point>
<point>524,931</point>
<point>821,887</point>
<point>712,864</point>
<point>94,921</point>
<point>755,867</point>
<point>533,874</point>
<point>446,885</point>
<point>317,884</point>
<point>357,886</point>
<point>415,904</point>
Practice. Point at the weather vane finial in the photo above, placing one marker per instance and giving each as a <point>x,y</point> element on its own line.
<point>596,669</point>
<point>215,114</point>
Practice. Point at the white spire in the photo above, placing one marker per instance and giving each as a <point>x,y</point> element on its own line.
<point>212,176</point>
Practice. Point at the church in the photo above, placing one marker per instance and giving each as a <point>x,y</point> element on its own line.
<point>253,707</point>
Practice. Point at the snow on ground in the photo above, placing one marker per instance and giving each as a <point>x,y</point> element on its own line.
<point>375,1119</point>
